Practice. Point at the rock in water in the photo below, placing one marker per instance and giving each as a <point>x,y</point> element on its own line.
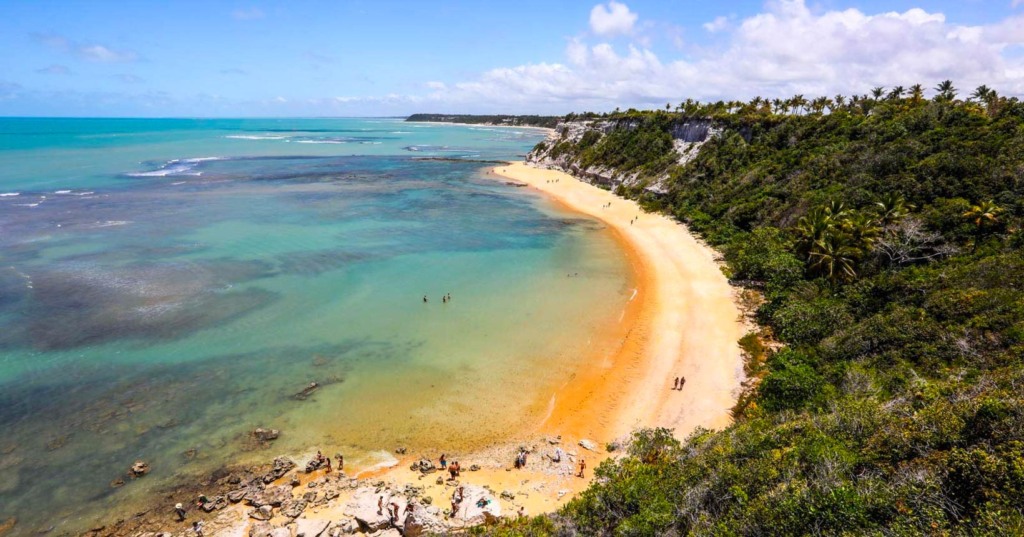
<point>281,466</point>
<point>140,468</point>
<point>588,445</point>
<point>265,435</point>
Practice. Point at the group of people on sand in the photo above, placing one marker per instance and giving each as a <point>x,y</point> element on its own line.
<point>552,180</point>
<point>445,298</point>
<point>392,510</point>
<point>521,459</point>
<point>678,385</point>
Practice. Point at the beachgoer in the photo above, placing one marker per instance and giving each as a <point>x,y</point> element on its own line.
<point>197,527</point>
<point>380,505</point>
<point>457,499</point>
<point>444,299</point>
<point>424,299</point>
<point>201,500</point>
<point>444,462</point>
<point>583,466</point>
<point>327,460</point>
<point>521,513</point>
<point>180,511</point>
<point>393,512</point>
<point>341,462</point>
<point>675,385</point>
<point>682,380</point>
<point>453,471</point>
<point>458,469</point>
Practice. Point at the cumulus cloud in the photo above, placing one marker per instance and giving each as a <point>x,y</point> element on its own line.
<point>612,18</point>
<point>94,52</point>
<point>717,25</point>
<point>54,69</point>
<point>785,50</point>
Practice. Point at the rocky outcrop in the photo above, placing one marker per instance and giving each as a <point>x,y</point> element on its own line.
<point>364,509</point>
<point>282,465</point>
<point>311,528</point>
<point>265,435</point>
<point>688,135</point>
<point>478,506</point>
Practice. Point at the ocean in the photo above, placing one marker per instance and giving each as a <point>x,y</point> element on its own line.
<point>168,285</point>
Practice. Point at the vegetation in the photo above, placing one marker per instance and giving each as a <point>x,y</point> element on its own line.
<point>512,121</point>
<point>884,232</point>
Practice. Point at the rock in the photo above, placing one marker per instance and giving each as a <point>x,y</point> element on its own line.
<point>236,495</point>
<point>427,500</point>
<point>478,506</point>
<point>306,392</point>
<point>310,528</point>
<point>331,493</point>
<point>423,465</point>
<point>265,435</point>
<point>274,496</point>
<point>401,451</point>
<point>293,508</point>
<point>508,495</point>
<point>139,469</point>
<point>588,445</point>
<point>554,441</point>
<point>282,465</point>
<point>348,526</point>
<point>260,529</point>
<point>8,524</point>
<point>439,480</point>
<point>295,481</point>
<point>474,467</point>
<point>119,482</point>
<point>309,496</point>
<point>363,507</point>
<point>264,512</point>
<point>214,504</point>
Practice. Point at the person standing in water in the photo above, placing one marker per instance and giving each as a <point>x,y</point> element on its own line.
<point>424,299</point>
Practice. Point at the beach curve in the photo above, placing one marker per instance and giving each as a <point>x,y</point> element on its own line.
<point>685,323</point>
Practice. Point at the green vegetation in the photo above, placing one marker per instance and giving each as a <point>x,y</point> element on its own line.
<point>884,233</point>
<point>511,121</point>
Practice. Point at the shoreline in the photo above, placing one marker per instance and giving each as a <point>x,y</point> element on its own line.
<point>681,319</point>
<point>688,323</point>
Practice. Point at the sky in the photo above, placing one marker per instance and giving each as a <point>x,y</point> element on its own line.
<point>186,58</point>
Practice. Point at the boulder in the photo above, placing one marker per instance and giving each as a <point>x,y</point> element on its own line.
<point>282,465</point>
<point>588,445</point>
<point>274,496</point>
<point>139,469</point>
<point>363,507</point>
<point>260,529</point>
<point>474,467</point>
<point>508,495</point>
<point>213,504</point>
<point>236,495</point>
<point>293,508</point>
<point>263,512</point>
<point>310,528</point>
<point>420,521</point>
<point>265,435</point>
<point>424,466</point>
<point>478,506</point>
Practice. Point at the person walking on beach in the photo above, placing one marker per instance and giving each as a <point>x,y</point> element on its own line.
<point>197,527</point>
<point>444,462</point>
<point>682,380</point>
<point>180,511</point>
<point>341,461</point>
<point>675,385</point>
<point>583,466</point>
<point>327,461</point>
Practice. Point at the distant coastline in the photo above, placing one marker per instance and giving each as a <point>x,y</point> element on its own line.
<point>490,120</point>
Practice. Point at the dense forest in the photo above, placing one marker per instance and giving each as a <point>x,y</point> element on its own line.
<point>511,121</point>
<point>883,231</point>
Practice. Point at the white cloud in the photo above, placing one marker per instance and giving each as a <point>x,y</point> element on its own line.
<point>94,52</point>
<point>248,14</point>
<point>785,50</point>
<point>717,25</point>
<point>612,19</point>
<point>434,85</point>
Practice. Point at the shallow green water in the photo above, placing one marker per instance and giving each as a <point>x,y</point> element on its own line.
<point>167,285</point>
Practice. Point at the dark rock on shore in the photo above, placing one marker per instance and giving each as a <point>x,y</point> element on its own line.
<point>282,465</point>
<point>265,435</point>
<point>140,468</point>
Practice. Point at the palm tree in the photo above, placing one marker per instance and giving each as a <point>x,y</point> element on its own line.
<point>981,93</point>
<point>891,208</point>
<point>840,100</point>
<point>916,93</point>
<point>946,90</point>
<point>877,92</point>
<point>895,93</point>
<point>811,229</point>
<point>861,229</point>
<point>984,216</point>
<point>798,102</point>
<point>835,258</point>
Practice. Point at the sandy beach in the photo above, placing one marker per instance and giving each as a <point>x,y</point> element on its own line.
<point>681,320</point>
<point>684,323</point>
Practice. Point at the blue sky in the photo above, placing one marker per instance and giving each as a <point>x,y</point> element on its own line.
<point>303,58</point>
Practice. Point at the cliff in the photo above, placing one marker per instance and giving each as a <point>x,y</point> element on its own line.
<point>583,148</point>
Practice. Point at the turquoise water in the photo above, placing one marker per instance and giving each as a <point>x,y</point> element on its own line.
<point>166,286</point>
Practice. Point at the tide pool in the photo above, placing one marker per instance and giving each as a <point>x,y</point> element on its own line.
<point>166,286</point>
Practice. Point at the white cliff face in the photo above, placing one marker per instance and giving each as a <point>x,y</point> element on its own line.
<point>687,138</point>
